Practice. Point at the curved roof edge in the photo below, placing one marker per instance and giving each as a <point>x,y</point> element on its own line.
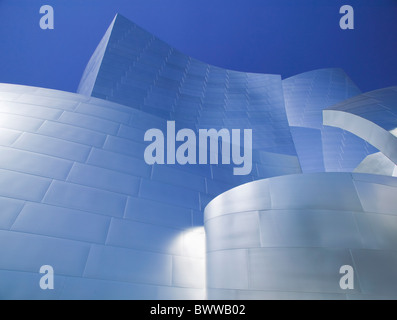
<point>371,116</point>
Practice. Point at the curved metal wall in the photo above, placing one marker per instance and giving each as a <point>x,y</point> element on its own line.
<point>377,163</point>
<point>139,70</point>
<point>287,237</point>
<point>76,194</point>
<point>371,116</point>
<point>321,148</point>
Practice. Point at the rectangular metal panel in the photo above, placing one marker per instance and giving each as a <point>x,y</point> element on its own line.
<point>119,162</point>
<point>315,191</point>
<point>104,113</point>
<point>105,179</point>
<point>96,289</point>
<point>8,136</point>
<point>377,197</point>
<point>16,122</point>
<point>28,252</point>
<point>234,231</point>
<point>137,235</point>
<point>37,99</point>
<point>309,228</point>
<point>89,122</point>
<point>376,271</point>
<point>119,264</point>
<point>34,163</point>
<point>378,230</point>
<point>16,285</point>
<point>125,146</point>
<point>167,193</point>
<point>297,269</point>
<point>29,110</point>
<point>85,198</point>
<point>10,209</point>
<point>256,196</point>
<point>22,186</point>
<point>60,222</point>
<point>72,133</point>
<point>283,295</point>
<point>188,272</point>
<point>177,293</point>
<point>235,276</point>
<point>169,174</point>
<point>53,147</point>
<point>131,133</point>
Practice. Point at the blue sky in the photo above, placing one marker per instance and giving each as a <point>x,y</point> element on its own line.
<point>284,37</point>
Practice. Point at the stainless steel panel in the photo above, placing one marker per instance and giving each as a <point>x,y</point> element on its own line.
<point>233,231</point>
<point>309,228</point>
<point>60,222</point>
<point>16,285</point>
<point>377,198</point>
<point>377,271</point>
<point>188,272</point>
<point>157,213</point>
<point>297,269</point>
<point>256,196</point>
<point>283,295</point>
<point>332,191</point>
<point>72,133</point>
<point>85,198</point>
<point>143,236</point>
<point>28,252</point>
<point>53,147</point>
<point>96,289</point>
<point>105,179</point>
<point>119,264</point>
<point>9,212</point>
<point>228,269</point>
<point>22,186</point>
<point>34,163</point>
<point>379,231</point>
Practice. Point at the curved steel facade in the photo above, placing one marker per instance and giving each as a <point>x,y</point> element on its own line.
<point>371,116</point>
<point>287,238</point>
<point>322,148</point>
<point>76,193</point>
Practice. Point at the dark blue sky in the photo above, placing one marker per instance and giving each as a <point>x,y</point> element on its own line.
<point>270,36</point>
